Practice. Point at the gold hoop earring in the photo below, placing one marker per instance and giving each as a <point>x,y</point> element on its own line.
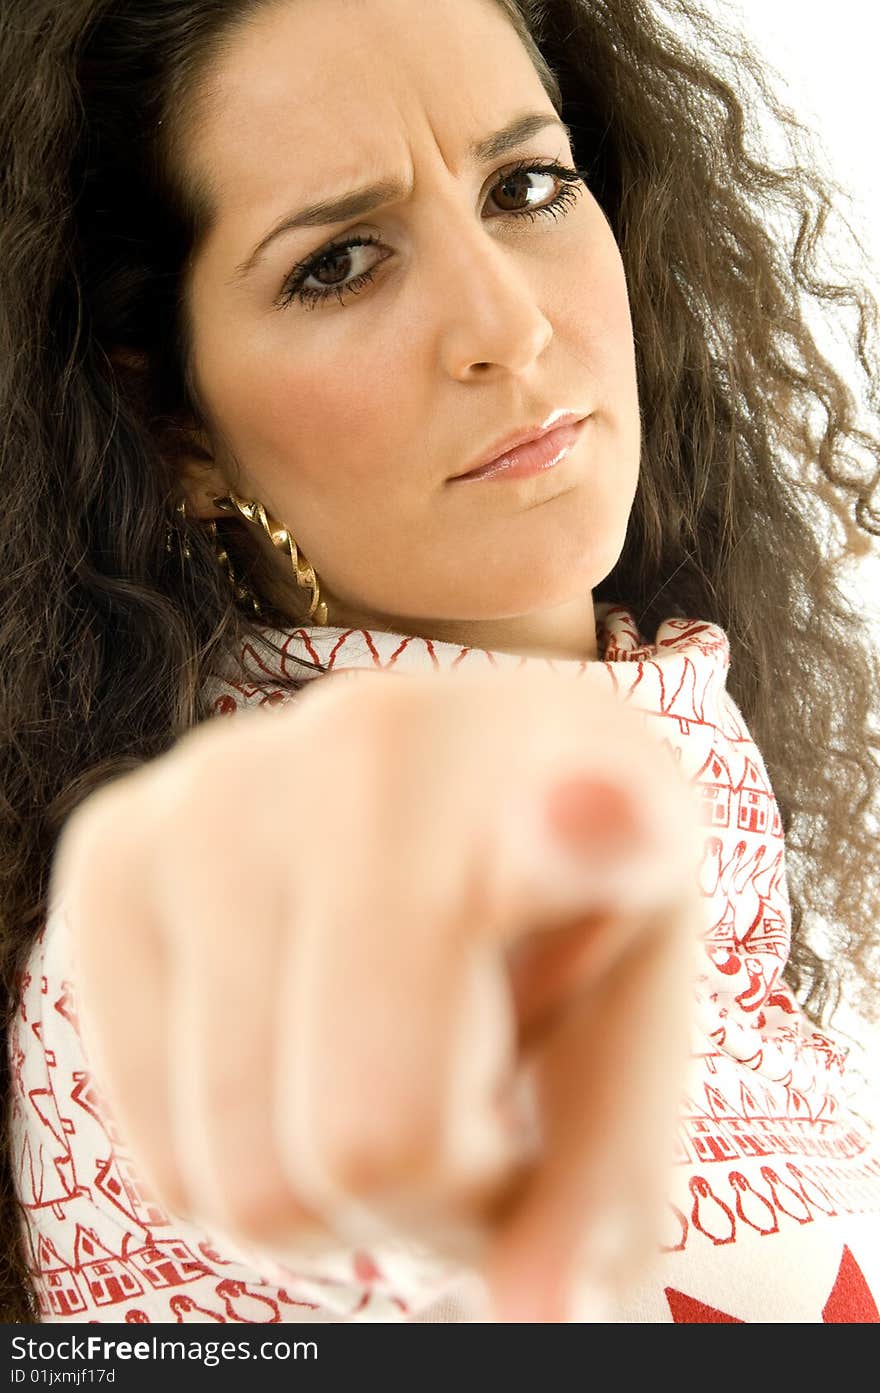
<point>252,511</point>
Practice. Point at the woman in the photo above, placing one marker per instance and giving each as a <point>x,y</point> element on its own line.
<point>180,364</point>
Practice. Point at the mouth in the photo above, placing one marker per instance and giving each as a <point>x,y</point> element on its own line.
<point>530,452</point>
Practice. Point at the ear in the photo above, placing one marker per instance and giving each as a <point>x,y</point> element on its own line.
<point>182,442</point>
<point>201,479</point>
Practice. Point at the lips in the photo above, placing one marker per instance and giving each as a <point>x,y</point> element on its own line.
<point>523,436</point>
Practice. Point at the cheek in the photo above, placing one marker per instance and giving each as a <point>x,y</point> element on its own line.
<point>597,323</point>
<point>288,416</point>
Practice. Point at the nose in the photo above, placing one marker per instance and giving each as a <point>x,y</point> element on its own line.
<point>488,303</point>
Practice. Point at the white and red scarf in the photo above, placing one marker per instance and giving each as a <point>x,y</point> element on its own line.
<point>774,1213</point>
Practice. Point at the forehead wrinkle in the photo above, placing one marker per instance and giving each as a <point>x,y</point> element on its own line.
<point>365,199</point>
<point>212,106</point>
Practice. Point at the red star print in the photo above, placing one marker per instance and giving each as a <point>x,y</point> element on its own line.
<point>850,1298</point>
<point>850,1301</point>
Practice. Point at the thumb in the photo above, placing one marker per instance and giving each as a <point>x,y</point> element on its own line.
<point>607,1078</point>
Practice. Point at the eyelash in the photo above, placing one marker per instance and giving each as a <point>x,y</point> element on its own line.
<point>292,288</point>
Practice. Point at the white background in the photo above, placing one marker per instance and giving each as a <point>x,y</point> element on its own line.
<point>825,61</point>
<point>826,54</point>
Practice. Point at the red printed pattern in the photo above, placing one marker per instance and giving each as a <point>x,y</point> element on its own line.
<point>768,1142</point>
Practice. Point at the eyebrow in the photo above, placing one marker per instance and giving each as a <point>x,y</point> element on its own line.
<point>365,200</point>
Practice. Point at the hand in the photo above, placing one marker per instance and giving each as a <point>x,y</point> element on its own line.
<point>415,954</point>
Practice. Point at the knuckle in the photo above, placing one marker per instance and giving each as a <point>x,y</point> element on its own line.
<point>90,856</point>
<point>256,1207</point>
<point>87,829</point>
<point>194,770</point>
<point>338,705</point>
<point>192,788</point>
<point>160,1182</point>
<point>367,1168</point>
<point>346,725</point>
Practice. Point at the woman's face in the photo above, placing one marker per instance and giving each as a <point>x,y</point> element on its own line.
<point>346,420</point>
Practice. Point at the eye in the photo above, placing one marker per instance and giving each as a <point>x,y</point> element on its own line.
<point>331,260</point>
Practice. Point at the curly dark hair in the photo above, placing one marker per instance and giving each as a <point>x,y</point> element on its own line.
<point>750,499</point>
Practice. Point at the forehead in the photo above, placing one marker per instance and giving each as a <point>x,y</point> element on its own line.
<point>306,87</point>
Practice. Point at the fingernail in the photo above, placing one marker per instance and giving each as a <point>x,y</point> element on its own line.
<point>582,842</point>
<point>592,815</point>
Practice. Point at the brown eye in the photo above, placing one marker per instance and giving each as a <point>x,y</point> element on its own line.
<point>514,185</point>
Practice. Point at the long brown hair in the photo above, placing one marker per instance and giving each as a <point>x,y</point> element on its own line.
<point>748,480</point>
